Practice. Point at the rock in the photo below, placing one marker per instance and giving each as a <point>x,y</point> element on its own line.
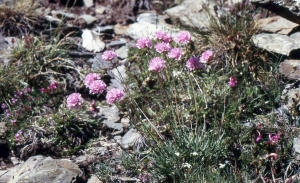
<point>98,63</point>
<point>110,115</point>
<point>292,94</point>
<point>277,43</point>
<point>88,3</point>
<point>127,179</point>
<point>41,169</point>
<point>191,13</point>
<point>290,69</point>
<point>5,175</point>
<point>92,42</point>
<point>129,138</point>
<point>120,42</point>
<point>286,8</point>
<point>125,122</point>
<point>120,29</point>
<point>122,52</point>
<point>296,145</point>
<point>151,18</point>
<point>100,9</point>
<point>141,29</point>
<point>88,18</point>
<point>277,24</point>
<point>53,19</point>
<point>118,76</point>
<point>94,179</point>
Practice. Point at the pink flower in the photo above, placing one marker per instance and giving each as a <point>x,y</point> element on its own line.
<point>17,135</point>
<point>175,53</point>
<point>193,63</point>
<point>27,90</point>
<point>74,100</point>
<point>91,77</point>
<point>53,86</point>
<point>14,100</point>
<point>163,36</point>
<point>274,139</point>
<point>232,82</point>
<point>109,55</point>
<point>207,56</point>
<point>3,106</point>
<point>156,64</point>
<point>114,95</point>
<point>7,112</point>
<point>184,37</point>
<point>97,87</point>
<point>144,42</point>
<point>13,121</point>
<point>162,47</point>
<point>259,137</point>
<point>43,90</point>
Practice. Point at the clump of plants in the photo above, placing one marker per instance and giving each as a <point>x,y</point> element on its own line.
<point>201,113</point>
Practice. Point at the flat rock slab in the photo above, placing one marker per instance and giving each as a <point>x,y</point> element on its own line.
<point>130,138</point>
<point>277,43</point>
<point>277,24</point>
<point>41,169</point>
<point>286,8</point>
<point>290,69</point>
<point>191,13</point>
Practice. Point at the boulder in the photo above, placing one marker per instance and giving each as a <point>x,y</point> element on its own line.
<point>45,169</point>
<point>277,24</point>
<point>290,69</point>
<point>278,43</point>
<point>286,8</point>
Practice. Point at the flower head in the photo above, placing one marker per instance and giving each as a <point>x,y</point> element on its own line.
<point>27,90</point>
<point>3,106</point>
<point>186,165</point>
<point>193,63</point>
<point>274,138</point>
<point>13,121</point>
<point>74,100</point>
<point>175,53</point>
<point>184,37</point>
<point>162,47</point>
<point>259,137</point>
<point>97,87</point>
<point>91,77</point>
<point>232,82</point>
<point>163,36</point>
<point>156,64</point>
<point>194,153</point>
<point>207,56</point>
<point>109,55</point>
<point>114,95</point>
<point>144,42</point>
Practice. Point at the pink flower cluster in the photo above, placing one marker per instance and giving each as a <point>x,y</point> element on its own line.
<point>52,87</point>
<point>274,138</point>
<point>193,63</point>
<point>163,36</point>
<point>109,55</point>
<point>93,82</point>
<point>114,95</point>
<point>74,100</point>
<point>144,42</point>
<point>184,37</point>
<point>232,82</point>
<point>18,135</point>
<point>162,47</point>
<point>207,56</point>
<point>175,53</point>
<point>156,64</point>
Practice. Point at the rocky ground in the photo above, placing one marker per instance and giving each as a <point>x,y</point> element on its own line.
<point>116,24</point>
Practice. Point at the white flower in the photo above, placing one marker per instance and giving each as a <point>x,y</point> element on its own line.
<point>176,73</point>
<point>194,153</point>
<point>186,165</point>
<point>177,154</point>
<point>222,165</point>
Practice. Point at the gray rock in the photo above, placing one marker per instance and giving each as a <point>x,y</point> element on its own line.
<point>120,42</point>
<point>111,117</point>
<point>277,24</point>
<point>277,43</point>
<point>129,138</point>
<point>151,18</point>
<point>118,76</point>
<point>296,145</point>
<point>41,169</point>
<point>88,3</point>
<point>122,52</point>
<point>292,94</point>
<point>191,13</point>
<point>290,69</point>
<point>5,175</point>
<point>141,29</point>
<point>286,8</point>
<point>88,18</point>
<point>94,179</point>
<point>98,63</point>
